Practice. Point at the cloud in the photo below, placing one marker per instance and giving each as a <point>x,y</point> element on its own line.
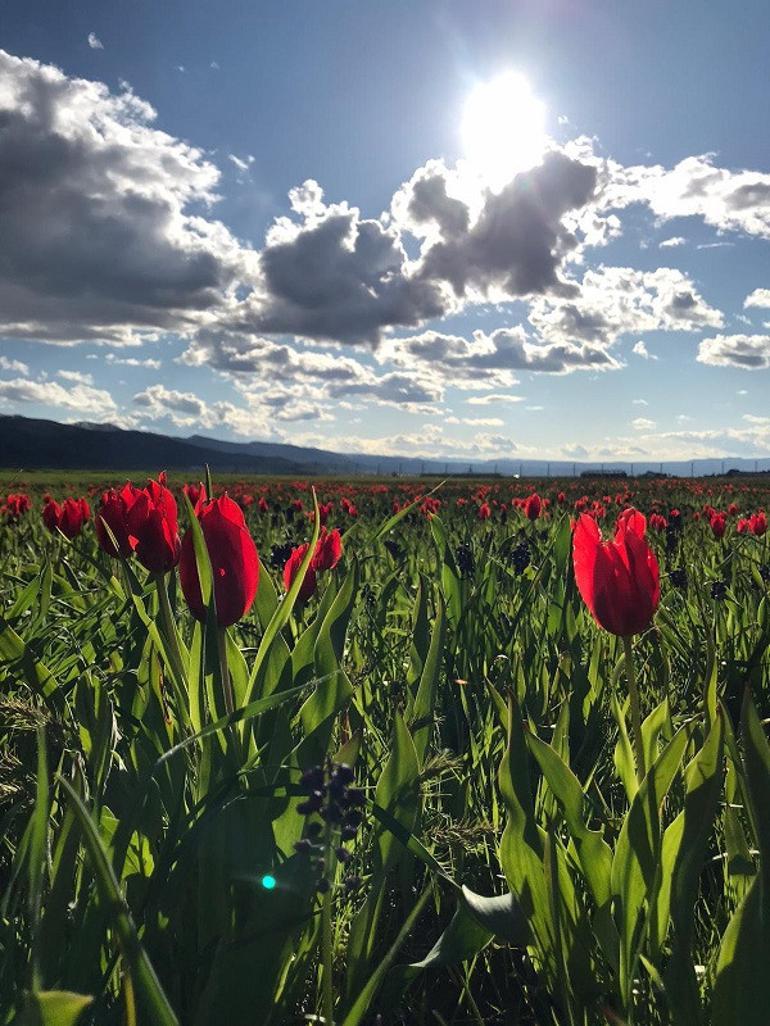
<point>759,297</point>
<point>21,392</point>
<point>574,452</point>
<point>643,424</point>
<point>616,301</point>
<point>641,350</point>
<point>490,360</point>
<point>749,352</point>
<point>13,366</point>
<point>259,365</point>
<point>242,163</point>
<point>517,242</point>
<point>640,402</point>
<point>99,241</point>
<point>95,42</point>
<point>493,399</point>
<point>78,377</point>
<point>431,442</point>
<point>333,275</point>
<point>188,410</point>
<point>132,361</point>
<point>475,421</point>
<point>327,273</point>
<point>725,199</point>
<point>675,240</point>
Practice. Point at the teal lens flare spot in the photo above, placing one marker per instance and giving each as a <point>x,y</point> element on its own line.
<point>268,882</point>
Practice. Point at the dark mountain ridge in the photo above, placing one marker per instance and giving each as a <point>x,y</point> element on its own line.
<point>28,443</point>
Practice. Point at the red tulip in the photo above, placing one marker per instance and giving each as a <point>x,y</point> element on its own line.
<point>195,492</point>
<point>328,553</point>
<point>485,511</point>
<point>152,525</point>
<point>68,517</point>
<point>532,506</point>
<point>758,524</point>
<point>618,580</point>
<point>290,572</point>
<point>234,562</point>
<point>328,550</point>
<point>51,515</point>
<point>718,523</point>
<point>113,511</point>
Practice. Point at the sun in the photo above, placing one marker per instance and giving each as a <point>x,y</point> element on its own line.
<point>503,128</point>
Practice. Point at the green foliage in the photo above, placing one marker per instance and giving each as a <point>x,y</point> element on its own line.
<point>158,860</point>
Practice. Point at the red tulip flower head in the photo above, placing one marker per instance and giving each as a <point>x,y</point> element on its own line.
<point>234,562</point>
<point>291,568</point>
<point>328,550</point>
<point>758,524</point>
<point>113,512</point>
<point>328,553</point>
<point>194,492</point>
<point>68,517</point>
<point>718,523</point>
<point>532,506</point>
<point>618,580</point>
<point>153,527</point>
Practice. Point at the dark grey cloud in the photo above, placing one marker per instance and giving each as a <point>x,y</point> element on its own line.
<point>339,278</point>
<point>94,213</point>
<point>335,276</point>
<point>518,242</point>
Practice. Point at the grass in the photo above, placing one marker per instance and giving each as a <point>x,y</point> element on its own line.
<point>157,860</point>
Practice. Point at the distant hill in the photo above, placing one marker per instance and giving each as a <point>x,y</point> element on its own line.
<point>29,444</point>
<point>26,443</point>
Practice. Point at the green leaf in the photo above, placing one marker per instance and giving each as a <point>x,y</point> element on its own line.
<point>521,846</point>
<point>501,916</point>
<point>146,984</point>
<point>425,700</point>
<point>682,862</point>
<point>636,866</point>
<point>742,986</point>
<point>55,1008</point>
<point>594,853</point>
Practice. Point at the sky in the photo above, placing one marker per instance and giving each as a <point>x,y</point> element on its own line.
<point>534,229</point>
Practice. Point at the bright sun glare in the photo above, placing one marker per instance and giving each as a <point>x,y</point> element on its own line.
<point>503,128</point>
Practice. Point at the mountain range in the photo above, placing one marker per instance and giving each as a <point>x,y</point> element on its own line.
<point>27,444</point>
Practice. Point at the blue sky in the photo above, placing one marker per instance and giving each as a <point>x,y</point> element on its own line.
<point>415,299</point>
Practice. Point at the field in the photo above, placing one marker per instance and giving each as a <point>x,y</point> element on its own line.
<point>415,783</point>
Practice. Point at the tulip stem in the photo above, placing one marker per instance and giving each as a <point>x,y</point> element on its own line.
<point>327,948</point>
<point>636,714</point>
<point>169,630</point>
<point>224,671</point>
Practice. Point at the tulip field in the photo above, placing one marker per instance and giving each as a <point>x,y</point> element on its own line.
<point>363,752</point>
